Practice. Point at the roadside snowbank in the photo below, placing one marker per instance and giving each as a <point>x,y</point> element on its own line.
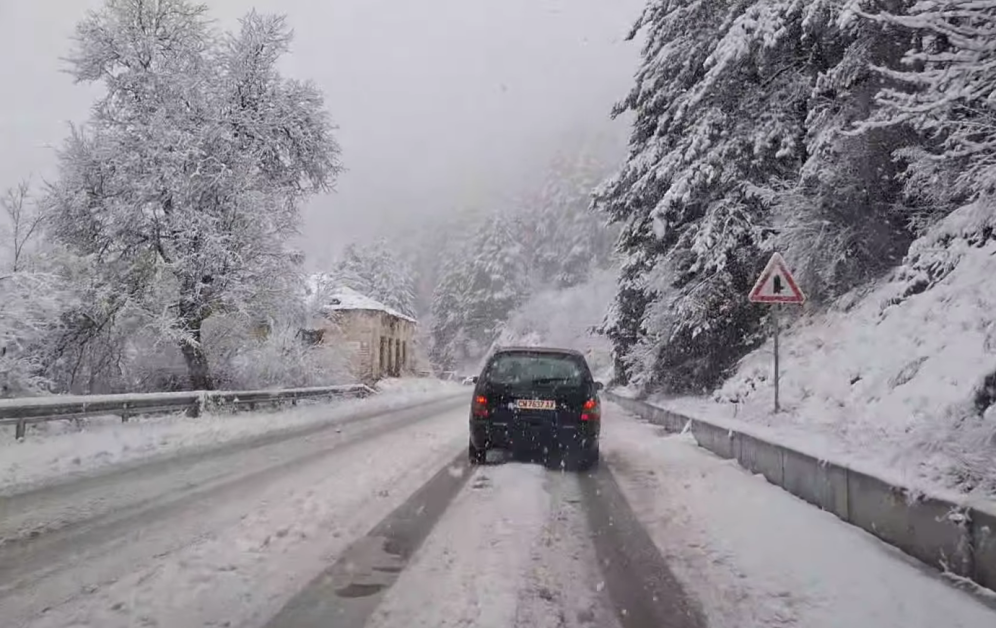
<point>755,556</point>
<point>62,449</point>
<point>892,380</point>
<point>417,385</point>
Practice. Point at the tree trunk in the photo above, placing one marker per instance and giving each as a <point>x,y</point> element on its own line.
<point>193,355</point>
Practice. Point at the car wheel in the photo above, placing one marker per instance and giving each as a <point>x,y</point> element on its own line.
<point>477,456</point>
<point>589,460</point>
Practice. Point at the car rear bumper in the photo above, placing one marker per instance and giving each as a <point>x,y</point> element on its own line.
<point>522,436</point>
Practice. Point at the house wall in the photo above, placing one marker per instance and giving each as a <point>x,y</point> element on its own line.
<point>380,345</point>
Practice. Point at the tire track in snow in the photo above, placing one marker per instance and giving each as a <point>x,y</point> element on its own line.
<point>644,590</point>
<point>68,566</point>
<point>518,546</point>
<point>349,591</point>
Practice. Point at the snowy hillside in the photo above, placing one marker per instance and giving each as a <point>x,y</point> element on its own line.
<point>898,375</point>
<point>564,318</point>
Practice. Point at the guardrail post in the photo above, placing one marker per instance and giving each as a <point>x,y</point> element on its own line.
<point>20,429</point>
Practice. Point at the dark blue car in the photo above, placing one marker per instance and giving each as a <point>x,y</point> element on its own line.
<point>538,400</point>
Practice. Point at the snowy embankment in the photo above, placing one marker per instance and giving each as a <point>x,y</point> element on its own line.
<point>564,318</point>
<point>757,557</point>
<point>59,449</point>
<point>892,379</point>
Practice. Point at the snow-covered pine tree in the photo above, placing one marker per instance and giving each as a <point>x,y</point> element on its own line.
<point>738,148</point>
<point>497,281</point>
<point>481,284</point>
<point>449,315</point>
<point>568,239</point>
<point>943,85</point>
<point>719,109</point>
<point>378,272</point>
<point>185,183</point>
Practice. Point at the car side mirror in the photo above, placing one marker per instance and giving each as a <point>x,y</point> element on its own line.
<point>473,379</point>
<point>599,385</point>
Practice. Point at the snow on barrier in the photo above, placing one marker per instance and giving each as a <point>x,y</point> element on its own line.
<point>957,538</point>
<point>21,412</point>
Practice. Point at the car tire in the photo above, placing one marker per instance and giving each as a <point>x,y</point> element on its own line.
<point>590,459</point>
<point>475,455</point>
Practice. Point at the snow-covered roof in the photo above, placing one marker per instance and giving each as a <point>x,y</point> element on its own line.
<point>343,298</point>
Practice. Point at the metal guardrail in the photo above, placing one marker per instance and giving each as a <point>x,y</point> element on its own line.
<point>22,412</point>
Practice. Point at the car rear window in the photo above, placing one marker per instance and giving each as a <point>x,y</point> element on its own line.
<point>536,369</point>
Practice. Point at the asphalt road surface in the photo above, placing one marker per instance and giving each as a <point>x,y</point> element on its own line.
<point>377,520</point>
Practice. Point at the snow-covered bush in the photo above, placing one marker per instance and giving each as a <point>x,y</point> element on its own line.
<point>281,358</point>
<point>31,310</point>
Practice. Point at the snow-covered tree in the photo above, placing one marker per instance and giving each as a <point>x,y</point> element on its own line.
<point>712,117</point>
<point>496,279</point>
<point>943,86</point>
<point>449,315</point>
<point>565,239</point>
<point>479,289</point>
<point>378,272</point>
<point>737,149</point>
<point>31,308</point>
<point>23,226</point>
<point>426,247</point>
<point>185,183</point>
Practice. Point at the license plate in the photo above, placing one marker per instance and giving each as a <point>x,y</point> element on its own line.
<point>536,404</point>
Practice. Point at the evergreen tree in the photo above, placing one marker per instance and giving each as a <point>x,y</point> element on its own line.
<point>737,149</point>
<point>449,315</point>
<point>481,285</point>
<point>376,271</point>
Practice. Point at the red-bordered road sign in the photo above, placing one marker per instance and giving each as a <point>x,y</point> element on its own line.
<point>776,284</point>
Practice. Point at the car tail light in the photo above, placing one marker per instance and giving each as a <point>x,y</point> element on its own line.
<point>480,407</point>
<point>591,411</point>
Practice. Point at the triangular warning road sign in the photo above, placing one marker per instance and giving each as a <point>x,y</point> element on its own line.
<point>776,284</point>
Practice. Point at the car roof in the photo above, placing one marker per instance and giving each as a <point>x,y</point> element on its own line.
<point>551,350</point>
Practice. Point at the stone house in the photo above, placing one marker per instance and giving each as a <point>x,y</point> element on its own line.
<point>378,339</point>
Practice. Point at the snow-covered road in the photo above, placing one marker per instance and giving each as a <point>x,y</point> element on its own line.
<point>381,523</point>
<point>225,538</point>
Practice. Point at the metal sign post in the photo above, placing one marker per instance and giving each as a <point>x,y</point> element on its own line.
<point>774,318</point>
<point>776,286</point>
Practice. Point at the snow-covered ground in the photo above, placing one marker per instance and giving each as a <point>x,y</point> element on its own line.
<point>564,318</point>
<point>235,559</point>
<point>884,382</point>
<point>757,557</point>
<point>512,551</point>
<point>59,450</point>
<point>514,548</point>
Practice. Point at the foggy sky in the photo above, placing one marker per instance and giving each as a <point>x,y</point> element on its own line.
<point>442,105</point>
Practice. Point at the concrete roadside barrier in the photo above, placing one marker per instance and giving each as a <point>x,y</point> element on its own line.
<point>957,538</point>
